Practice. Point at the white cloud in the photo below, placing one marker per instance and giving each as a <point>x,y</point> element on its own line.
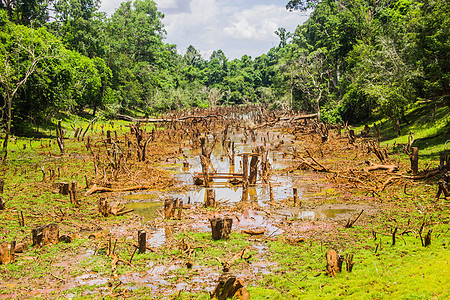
<point>237,27</point>
<point>109,6</point>
<point>260,22</point>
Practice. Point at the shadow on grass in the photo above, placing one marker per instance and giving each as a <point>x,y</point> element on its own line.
<point>420,120</point>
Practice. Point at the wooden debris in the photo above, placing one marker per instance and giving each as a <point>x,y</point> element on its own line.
<point>350,223</point>
<point>99,189</point>
<point>116,209</point>
<point>390,168</point>
<point>253,231</point>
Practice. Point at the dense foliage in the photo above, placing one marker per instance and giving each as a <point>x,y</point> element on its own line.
<point>351,59</point>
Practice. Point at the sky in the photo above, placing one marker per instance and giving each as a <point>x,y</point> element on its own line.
<point>237,27</point>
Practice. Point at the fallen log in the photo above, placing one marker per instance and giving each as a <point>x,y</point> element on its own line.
<point>390,168</point>
<point>100,189</point>
<point>253,231</point>
<point>148,120</point>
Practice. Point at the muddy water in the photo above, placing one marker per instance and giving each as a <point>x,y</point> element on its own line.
<point>147,205</point>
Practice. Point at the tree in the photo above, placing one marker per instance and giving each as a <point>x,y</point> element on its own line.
<point>383,74</point>
<point>284,35</point>
<point>21,53</point>
<point>301,4</point>
<point>26,11</point>
<point>192,57</point>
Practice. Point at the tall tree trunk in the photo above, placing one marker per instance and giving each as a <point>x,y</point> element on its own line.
<point>8,127</point>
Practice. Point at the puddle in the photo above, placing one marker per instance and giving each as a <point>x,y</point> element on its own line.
<point>90,279</point>
<point>221,162</point>
<point>157,238</point>
<point>328,214</point>
<point>148,210</point>
<point>139,197</point>
<point>251,219</point>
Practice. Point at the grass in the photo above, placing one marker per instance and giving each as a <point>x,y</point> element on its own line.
<point>403,271</point>
<point>431,134</point>
<point>382,271</point>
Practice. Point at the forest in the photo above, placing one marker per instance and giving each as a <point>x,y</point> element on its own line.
<point>317,170</point>
<point>349,61</point>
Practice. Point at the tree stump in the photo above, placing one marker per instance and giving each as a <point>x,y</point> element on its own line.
<point>2,203</point>
<point>244,191</point>
<point>73,193</point>
<point>332,262</point>
<point>351,136</point>
<point>142,241</point>
<point>253,169</point>
<point>229,287</point>
<point>295,196</point>
<point>210,198</point>
<point>21,248</point>
<point>443,187</point>
<point>271,193</point>
<point>64,188</point>
<point>414,157</point>
<point>108,137</point>
<point>443,161</point>
<point>169,208</point>
<point>428,238</point>
<point>245,167</point>
<point>204,163</point>
<point>103,207</point>
<point>349,262</point>
<point>45,235</point>
<point>221,228</point>
<point>180,210</point>
<point>50,234</point>
<point>6,253</point>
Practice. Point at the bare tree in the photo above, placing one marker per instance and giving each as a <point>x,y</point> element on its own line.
<point>311,72</point>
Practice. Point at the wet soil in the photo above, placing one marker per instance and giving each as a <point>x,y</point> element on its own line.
<point>324,207</point>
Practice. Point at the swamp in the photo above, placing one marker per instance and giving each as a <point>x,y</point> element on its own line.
<point>240,202</point>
